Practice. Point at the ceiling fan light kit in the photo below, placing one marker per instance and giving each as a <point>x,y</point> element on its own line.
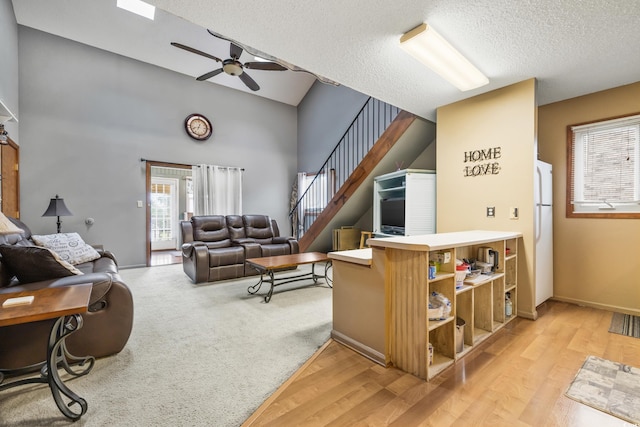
<point>231,67</point>
<point>430,48</point>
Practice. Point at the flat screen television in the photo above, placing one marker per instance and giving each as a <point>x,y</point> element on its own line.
<point>392,216</point>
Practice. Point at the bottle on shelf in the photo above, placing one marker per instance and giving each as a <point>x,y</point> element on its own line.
<point>508,305</point>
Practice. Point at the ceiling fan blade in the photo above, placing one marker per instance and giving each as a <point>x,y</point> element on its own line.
<point>272,66</point>
<point>196,51</point>
<point>235,51</point>
<point>208,75</point>
<point>251,84</point>
<point>216,35</point>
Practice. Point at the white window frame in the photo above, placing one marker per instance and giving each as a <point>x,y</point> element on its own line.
<point>577,203</point>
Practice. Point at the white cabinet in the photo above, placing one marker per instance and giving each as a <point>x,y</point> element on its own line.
<point>404,203</point>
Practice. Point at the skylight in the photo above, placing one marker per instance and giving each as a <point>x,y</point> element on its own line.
<point>138,7</point>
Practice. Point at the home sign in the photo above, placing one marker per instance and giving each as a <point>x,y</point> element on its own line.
<point>482,162</point>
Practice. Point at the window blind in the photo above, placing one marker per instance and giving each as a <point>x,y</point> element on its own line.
<point>605,164</point>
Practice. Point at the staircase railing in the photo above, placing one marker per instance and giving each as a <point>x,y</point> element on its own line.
<point>315,191</point>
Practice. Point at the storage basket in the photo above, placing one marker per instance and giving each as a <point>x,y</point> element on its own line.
<point>460,276</point>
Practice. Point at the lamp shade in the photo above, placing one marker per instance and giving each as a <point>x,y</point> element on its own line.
<point>57,208</point>
<point>8,227</point>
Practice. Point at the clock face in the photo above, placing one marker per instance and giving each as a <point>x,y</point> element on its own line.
<point>198,127</point>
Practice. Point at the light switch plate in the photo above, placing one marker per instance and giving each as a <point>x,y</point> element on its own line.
<point>140,203</point>
<point>513,213</point>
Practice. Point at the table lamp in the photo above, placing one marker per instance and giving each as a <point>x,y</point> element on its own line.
<point>57,208</point>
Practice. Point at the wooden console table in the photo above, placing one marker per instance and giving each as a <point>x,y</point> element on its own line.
<point>66,305</point>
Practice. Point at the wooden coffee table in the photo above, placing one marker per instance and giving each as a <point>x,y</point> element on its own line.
<point>65,303</point>
<point>267,265</point>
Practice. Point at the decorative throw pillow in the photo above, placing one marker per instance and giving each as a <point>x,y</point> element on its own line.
<point>33,263</point>
<point>69,246</point>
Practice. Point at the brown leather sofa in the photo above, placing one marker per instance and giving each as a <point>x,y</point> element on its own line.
<point>216,246</point>
<point>106,326</point>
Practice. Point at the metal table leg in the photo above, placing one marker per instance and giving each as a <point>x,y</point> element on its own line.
<point>255,288</point>
<point>272,280</point>
<point>57,354</point>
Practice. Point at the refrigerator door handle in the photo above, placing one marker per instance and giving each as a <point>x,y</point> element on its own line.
<point>538,222</point>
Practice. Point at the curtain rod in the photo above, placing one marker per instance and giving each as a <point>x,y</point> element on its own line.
<point>142,159</point>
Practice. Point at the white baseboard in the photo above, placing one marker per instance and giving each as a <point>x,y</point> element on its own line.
<point>125,267</point>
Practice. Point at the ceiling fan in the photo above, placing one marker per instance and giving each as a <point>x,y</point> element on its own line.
<point>233,66</point>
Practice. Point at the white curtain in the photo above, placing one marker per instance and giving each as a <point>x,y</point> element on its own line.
<point>314,188</point>
<point>217,190</point>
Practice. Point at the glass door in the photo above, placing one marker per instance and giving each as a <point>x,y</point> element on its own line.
<point>164,216</point>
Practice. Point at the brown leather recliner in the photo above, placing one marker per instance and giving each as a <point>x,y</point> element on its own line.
<point>215,247</point>
<point>207,251</point>
<point>259,229</point>
<point>106,326</point>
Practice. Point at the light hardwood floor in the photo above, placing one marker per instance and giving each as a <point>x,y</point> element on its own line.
<point>166,257</point>
<point>517,378</point>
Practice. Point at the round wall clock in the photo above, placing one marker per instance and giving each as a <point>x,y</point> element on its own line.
<point>198,127</point>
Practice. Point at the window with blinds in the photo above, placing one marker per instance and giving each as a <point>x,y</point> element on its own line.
<point>604,169</point>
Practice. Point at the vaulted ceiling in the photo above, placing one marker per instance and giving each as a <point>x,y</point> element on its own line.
<point>571,47</point>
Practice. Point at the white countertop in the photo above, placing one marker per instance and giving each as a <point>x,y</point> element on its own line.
<point>429,242</point>
<point>354,256</point>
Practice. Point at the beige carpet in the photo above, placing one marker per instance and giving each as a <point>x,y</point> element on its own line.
<point>608,386</point>
<point>199,355</point>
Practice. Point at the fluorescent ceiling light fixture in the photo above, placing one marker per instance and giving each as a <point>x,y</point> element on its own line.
<point>138,7</point>
<point>428,47</point>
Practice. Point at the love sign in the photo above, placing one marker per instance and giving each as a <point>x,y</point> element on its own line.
<point>482,162</point>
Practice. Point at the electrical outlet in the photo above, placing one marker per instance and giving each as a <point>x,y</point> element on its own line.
<point>513,213</point>
<point>447,257</point>
<point>140,203</point>
<point>491,211</point>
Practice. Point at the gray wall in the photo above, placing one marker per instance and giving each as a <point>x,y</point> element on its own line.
<point>88,116</point>
<point>324,115</point>
<point>9,64</point>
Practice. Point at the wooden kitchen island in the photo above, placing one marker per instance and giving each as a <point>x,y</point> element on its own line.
<point>380,298</point>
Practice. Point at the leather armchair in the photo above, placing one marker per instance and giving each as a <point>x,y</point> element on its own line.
<point>106,326</point>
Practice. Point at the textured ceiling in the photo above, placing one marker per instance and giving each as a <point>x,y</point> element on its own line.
<point>101,24</point>
<point>571,47</point>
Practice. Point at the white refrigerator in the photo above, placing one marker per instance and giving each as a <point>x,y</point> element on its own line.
<point>543,232</point>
